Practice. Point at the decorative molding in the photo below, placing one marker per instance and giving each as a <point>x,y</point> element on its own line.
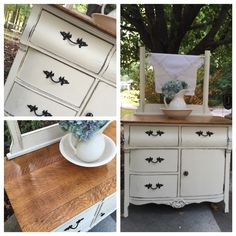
<point>178,204</point>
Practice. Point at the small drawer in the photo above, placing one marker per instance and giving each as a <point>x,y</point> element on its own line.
<point>55,78</point>
<point>110,72</point>
<point>102,102</point>
<point>108,206</point>
<point>70,42</point>
<point>79,223</point>
<point>153,136</point>
<point>24,102</point>
<point>154,160</point>
<point>204,136</point>
<point>153,186</point>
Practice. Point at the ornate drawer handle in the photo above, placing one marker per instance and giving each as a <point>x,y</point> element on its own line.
<point>34,108</point>
<point>208,133</point>
<point>71,226</point>
<point>79,41</point>
<point>149,186</point>
<point>50,74</point>
<point>158,160</point>
<point>158,133</point>
<point>89,114</point>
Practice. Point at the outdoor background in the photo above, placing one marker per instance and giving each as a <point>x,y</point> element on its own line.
<point>176,29</point>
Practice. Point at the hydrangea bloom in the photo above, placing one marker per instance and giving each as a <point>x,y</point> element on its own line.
<point>170,88</point>
<point>82,129</point>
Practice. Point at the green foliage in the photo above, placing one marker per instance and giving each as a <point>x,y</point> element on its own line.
<point>81,8</point>
<point>210,18</point>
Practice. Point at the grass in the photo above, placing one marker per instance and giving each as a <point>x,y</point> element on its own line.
<point>125,111</point>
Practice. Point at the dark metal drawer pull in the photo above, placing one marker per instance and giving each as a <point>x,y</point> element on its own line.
<point>185,173</point>
<point>50,74</point>
<point>71,226</point>
<point>208,133</point>
<point>102,214</point>
<point>78,42</point>
<point>149,186</point>
<point>158,133</point>
<point>158,160</point>
<point>34,108</point>
<point>89,114</point>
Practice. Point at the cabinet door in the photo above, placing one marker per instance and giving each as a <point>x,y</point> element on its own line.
<point>202,172</point>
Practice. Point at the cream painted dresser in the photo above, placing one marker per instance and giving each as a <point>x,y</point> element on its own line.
<point>65,66</point>
<point>176,162</point>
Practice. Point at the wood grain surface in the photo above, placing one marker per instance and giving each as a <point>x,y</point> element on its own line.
<point>84,18</point>
<point>161,119</point>
<point>46,190</point>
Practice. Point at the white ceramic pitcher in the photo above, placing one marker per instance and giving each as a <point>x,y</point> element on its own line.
<point>92,149</point>
<point>112,13</point>
<point>178,101</point>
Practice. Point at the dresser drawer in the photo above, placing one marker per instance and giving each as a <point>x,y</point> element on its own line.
<point>48,72</point>
<point>108,206</point>
<point>79,223</point>
<point>152,186</point>
<point>153,136</point>
<point>102,102</point>
<point>20,97</point>
<point>110,72</point>
<point>153,160</point>
<point>81,47</point>
<point>204,136</point>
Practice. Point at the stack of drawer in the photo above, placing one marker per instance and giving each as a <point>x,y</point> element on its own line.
<point>153,169</point>
<point>169,164</point>
<point>64,67</point>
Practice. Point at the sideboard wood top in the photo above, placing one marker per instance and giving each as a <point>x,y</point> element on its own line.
<point>46,190</point>
<point>161,119</point>
<point>83,17</point>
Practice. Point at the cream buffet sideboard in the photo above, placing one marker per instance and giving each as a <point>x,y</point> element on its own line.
<point>65,66</point>
<point>176,162</point>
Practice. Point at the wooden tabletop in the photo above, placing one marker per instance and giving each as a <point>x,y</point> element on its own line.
<point>84,18</point>
<point>46,190</point>
<point>161,119</point>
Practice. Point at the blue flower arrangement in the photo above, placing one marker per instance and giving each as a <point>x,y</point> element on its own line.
<point>83,130</point>
<point>170,88</point>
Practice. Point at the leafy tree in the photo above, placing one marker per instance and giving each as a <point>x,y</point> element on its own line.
<point>179,28</point>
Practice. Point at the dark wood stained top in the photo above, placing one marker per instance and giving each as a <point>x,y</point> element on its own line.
<point>83,18</point>
<point>161,119</point>
<point>46,190</point>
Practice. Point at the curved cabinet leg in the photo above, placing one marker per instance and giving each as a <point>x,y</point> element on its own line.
<point>126,184</point>
<point>227,176</point>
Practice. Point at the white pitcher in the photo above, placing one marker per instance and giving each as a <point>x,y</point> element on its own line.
<point>90,150</point>
<point>112,13</point>
<point>178,101</point>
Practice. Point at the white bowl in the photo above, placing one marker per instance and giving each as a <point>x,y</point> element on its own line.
<point>178,114</point>
<point>67,152</point>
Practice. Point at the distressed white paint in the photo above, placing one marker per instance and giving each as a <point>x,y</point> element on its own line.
<point>31,141</point>
<point>207,163</point>
<point>206,81</point>
<point>83,71</point>
<point>142,78</point>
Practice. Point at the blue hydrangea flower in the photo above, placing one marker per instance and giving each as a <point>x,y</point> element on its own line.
<point>170,88</point>
<point>82,129</point>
